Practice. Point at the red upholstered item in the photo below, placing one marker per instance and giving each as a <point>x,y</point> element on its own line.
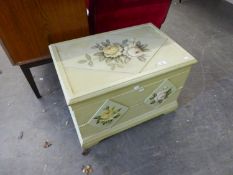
<point>106,15</point>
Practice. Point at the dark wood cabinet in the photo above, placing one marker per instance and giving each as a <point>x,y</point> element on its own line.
<point>27,27</point>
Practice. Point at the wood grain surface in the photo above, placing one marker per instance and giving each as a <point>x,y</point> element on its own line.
<point>27,27</point>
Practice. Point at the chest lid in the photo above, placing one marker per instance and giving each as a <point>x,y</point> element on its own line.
<point>97,64</point>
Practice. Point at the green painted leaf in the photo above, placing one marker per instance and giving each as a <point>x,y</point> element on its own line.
<point>101,58</point>
<point>90,63</point>
<point>104,44</point>
<point>160,101</point>
<point>144,46</point>
<point>118,115</point>
<point>88,57</point>
<point>119,60</point>
<point>127,59</point>
<point>98,46</point>
<point>99,54</point>
<point>141,58</point>
<point>108,42</point>
<point>95,46</point>
<point>145,50</point>
<point>138,42</point>
<point>124,42</point>
<point>152,102</point>
<point>108,60</point>
<point>97,117</point>
<point>82,61</point>
<point>152,97</point>
<point>169,92</point>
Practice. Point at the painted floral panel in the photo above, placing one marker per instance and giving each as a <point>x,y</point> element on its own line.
<point>125,53</point>
<point>161,94</point>
<point>117,55</point>
<point>108,114</point>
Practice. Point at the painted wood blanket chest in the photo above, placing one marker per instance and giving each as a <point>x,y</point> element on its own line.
<point>116,80</point>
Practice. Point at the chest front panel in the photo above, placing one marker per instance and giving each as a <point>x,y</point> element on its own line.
<point>134,98</point>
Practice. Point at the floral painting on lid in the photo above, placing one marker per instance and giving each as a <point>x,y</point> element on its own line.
<point>119,52</point>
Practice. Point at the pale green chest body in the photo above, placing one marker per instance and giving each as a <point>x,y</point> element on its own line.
<point>116,80</point>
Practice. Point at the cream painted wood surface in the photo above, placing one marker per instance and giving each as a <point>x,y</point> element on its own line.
<point>168,57</point>
<point>115,80</point>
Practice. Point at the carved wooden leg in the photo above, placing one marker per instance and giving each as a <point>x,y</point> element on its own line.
<point>27,73</point>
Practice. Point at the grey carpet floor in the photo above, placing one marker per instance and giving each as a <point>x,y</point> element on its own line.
<point>197,139</point>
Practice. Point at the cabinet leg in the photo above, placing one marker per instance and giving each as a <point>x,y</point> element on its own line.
<point>86,152</point>
<point>27,73</point>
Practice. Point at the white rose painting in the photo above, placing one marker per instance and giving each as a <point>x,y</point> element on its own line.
<point>161,94</point>
<point>117,55</point>
<point>120,52</point>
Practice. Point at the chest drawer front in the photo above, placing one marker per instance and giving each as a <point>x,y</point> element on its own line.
<point>128,97</point>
